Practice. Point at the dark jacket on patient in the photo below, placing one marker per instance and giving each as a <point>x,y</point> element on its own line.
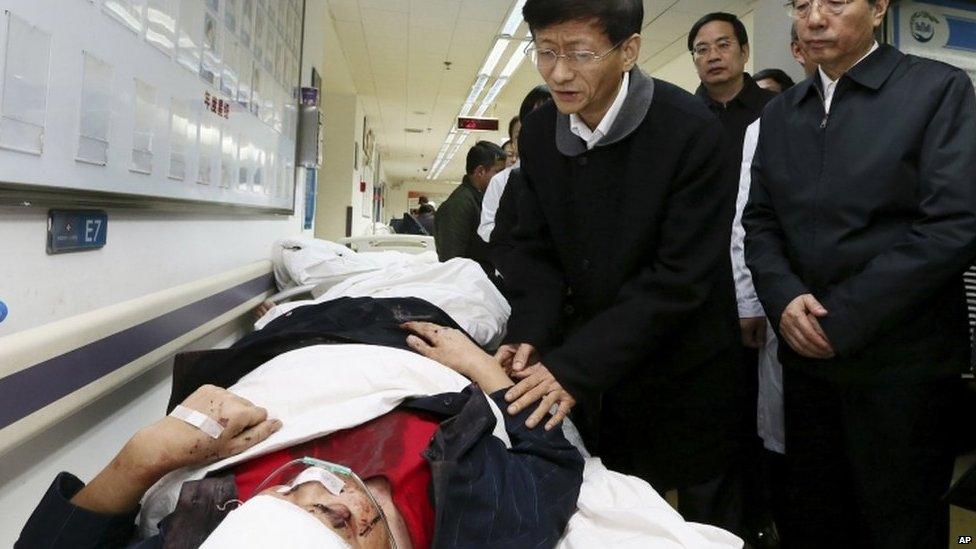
<point>484,494</point>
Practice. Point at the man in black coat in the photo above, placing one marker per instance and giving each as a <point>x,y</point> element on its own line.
<point>628,205</point>
<point>861,221</point>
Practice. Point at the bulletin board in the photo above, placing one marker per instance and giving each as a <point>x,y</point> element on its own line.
<point>944,30</point>
<point>181,100</point>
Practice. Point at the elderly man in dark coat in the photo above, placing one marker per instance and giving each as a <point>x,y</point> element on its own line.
<point>861,221</point>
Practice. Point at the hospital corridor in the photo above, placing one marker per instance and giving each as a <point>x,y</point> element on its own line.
<point>411,274</point>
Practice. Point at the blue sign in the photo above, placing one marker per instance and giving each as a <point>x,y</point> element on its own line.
<point>76,230</point>
<point>962,34</point>
<point>3,311</point>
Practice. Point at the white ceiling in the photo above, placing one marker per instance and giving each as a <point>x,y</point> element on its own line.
<point>396,51</point>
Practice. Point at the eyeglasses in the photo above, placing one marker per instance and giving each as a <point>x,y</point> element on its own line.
<point>336,478</point>
<point>546,59</point>
<point>801,9</point>
<point>723,46</point>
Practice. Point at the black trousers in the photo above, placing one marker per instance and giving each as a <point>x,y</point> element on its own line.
<point>867,464</point>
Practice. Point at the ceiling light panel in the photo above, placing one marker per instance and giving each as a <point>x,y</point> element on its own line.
<point>514,19</point>
<point>496,54</point>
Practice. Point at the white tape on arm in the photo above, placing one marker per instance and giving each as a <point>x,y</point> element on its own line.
<point>199,420</point>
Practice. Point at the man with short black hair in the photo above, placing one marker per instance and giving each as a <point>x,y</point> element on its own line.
<point>719,46</point>
<point>458,217</point>
<point>860,222</point>
<point>627,203</point>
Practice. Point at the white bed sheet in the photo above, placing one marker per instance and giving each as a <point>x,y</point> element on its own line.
<point>459,287</point>
<point>300,261</point>
<point>322,389</point>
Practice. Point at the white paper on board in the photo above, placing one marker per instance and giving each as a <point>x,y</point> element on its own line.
<point>126,12</point>
<point>161,25</point>
<point>25,86</point>
<point>228,157</point>
<point>259,157</point>
<point>189,29</point>
<point>210,60</point>
<point>143,132</point>
<point>228,74</point>
<point>208,151</point>
<point>245,157</point>
<point>96,110</point>
<point>180,127</point>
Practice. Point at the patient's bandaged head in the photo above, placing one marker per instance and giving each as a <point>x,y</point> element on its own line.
<point>266,521</point>
<point>334,495</point>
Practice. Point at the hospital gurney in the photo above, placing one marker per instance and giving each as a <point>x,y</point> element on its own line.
<point>407,243</point>
<point>612,510</point>
<point>312,266</point>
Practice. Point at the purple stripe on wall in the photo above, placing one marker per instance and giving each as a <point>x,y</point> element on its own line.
<point>33,388</point>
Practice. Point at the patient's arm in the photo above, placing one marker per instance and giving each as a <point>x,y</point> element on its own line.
<point>455,350</point>
<point>170,444</point>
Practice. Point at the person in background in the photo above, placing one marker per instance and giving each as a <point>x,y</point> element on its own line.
<point>799,53</point>
<point>719,46</point>
<point>425,216</point>
<point>642,242</point>
<point>511,155</point>
<point>458,217</point>
<point>774,80</point>
<point>860,222</point>
<point>496,188</point>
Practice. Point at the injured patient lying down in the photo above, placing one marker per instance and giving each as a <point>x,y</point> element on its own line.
<point>355,421</point>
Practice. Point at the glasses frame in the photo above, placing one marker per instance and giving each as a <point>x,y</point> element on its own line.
<point>717,46</point>
<point>532,51</point>
<point>820,5</point>
<point>339,470</point>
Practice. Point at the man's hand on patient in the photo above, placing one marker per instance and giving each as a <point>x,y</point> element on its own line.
<point>455,350</point>
<point>517,357</point>
<point>170,444</point>
<point>537,384</point>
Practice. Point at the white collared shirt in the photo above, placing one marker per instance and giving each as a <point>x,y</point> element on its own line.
<point>592,137</point>
<point>830,86</point>
<point>493,197</point>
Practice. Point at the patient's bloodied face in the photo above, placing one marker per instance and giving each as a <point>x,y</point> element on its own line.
<point>350,514</point>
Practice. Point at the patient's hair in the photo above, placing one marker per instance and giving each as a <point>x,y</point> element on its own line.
<point>425,208</point>
<point>484,153</point>
<point>620,19</point>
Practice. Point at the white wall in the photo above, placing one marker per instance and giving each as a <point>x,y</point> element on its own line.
<point>146,253</point>
<point>340,175</point>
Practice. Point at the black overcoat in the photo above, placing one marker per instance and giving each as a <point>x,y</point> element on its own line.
<point>872,209</point>
<point>637,230</point>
